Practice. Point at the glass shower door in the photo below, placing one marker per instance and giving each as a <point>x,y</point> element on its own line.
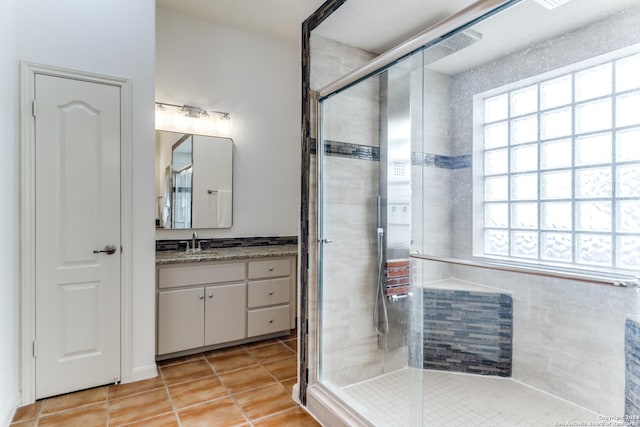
<point>524,204</point>
<point>370,341</point>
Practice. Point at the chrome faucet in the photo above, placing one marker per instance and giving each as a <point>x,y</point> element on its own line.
<point>193,241</point>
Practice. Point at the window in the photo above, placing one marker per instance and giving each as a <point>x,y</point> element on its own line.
<point>558,172</point>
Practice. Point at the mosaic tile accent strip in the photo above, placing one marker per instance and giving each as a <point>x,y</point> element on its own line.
<point>632,373</point>
<point>366,152</point>
<point>468,331</point>
<point>354,151</point>
<point>236,242</point>
<point>440,161</point>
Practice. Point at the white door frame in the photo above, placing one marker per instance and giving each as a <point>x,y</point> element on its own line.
<point>28,72</point>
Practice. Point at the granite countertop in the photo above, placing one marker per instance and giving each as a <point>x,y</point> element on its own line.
<point>225,254</point>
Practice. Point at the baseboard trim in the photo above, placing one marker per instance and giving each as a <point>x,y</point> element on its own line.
<point>295,393</point>
<point>7,413</point>
<point>142,373</point>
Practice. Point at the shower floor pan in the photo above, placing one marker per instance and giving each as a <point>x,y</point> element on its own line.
<point>453,399</point>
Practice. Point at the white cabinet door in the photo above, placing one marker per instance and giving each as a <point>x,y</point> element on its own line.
<point>225,313</point>
<point>180,320</point>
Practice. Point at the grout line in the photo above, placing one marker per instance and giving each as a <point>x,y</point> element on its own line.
<point>64,411</point>
<point>83,405</point>
<point>234,369</point>
<point>229,394</point>
<point>39,414</point>
<point>137,393</point>
<point>189,358</point>
<point>166,389</point>
<point>266,417</point>
<point>244,414</point>
<point>203,402</point>
<point>107,407</point>
<point>145,419</point>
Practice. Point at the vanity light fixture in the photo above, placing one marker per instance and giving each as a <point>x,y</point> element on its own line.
<point>193,112</point>
<point>192,119</point>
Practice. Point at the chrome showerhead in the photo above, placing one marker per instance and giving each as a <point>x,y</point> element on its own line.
<point>450,45</point>
<point>462,40</point>
<point>551,4</point>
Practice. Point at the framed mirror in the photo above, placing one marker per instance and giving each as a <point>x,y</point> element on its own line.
<point>194,181</point>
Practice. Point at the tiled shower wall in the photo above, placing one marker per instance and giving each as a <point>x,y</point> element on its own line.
<point>568,336</point>
<point>468,331</point>
<point>632,368</point>
<point>431,198</point>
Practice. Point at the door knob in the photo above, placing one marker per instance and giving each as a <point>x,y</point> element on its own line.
<point>109,250</point>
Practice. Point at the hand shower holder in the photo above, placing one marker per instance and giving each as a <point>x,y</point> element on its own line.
<point>396,298</point>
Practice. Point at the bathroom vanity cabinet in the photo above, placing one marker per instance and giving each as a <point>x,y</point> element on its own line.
<point>212,300</point>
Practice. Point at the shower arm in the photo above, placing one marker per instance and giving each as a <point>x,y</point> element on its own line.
<point>594,277</point>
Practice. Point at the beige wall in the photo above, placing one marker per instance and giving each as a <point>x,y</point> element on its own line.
<point>9,217</point>
<point>256,80</point>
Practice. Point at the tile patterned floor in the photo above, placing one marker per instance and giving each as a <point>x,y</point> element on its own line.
<point>451,399</point>
<point>246,385</point>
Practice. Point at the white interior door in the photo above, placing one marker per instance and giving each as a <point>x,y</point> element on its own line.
<point>77,181</point>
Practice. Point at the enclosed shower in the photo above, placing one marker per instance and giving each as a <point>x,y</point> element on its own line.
<point>479,222</point>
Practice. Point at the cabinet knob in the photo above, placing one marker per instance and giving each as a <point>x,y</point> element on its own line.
<point>270,292</point>
<point>270,268</point>
<point>270,320</point>
<point>210,296</point>
<point>201,296</point>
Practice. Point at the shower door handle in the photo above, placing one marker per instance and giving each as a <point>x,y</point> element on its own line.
<point>326,241</point>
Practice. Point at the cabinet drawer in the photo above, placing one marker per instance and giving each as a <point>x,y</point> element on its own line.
<point>200,275</point>
<point>268,320</point>
<point>269,292</point>
<point>269,268</point>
